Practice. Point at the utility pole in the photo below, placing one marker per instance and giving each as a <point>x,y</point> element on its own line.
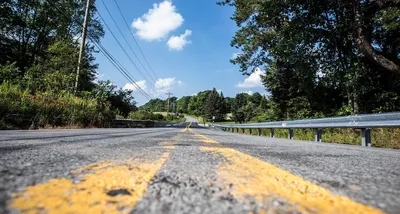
<point>169,96</point>
<point>82,45</point>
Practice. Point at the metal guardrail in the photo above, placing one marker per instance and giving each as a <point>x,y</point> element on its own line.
<point>124,123</point>
<point>364,122</point>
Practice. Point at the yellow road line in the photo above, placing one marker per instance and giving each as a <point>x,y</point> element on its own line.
<point>250,176</point>
<point>106,188</point>
<point>203,138</point>
<point>186,128</point>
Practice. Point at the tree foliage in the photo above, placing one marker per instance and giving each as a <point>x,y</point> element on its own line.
<point>322,58</point>
<point>209,104</point>
<point>39,42</point>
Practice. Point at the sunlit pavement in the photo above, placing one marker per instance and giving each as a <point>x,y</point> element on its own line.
<point>190,169</point>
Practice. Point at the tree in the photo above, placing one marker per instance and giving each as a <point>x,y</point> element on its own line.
<point>183,104</point>
<point>316,51</point>
<point>29,28</point>
<point>54,72</point>
<point>120,100</point>
<point>214,106</point>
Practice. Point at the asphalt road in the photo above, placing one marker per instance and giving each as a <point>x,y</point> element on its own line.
<point>190,170</point>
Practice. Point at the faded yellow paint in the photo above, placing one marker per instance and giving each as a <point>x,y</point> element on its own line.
<point>90,194</point>
<point>203,138</point>
<point>169,147</point>
<point>168,143</point>
<point>250,176</point>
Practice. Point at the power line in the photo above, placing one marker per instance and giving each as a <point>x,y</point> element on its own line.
<point>120,31</point>
<point>122,70</point>
<point>112,59</point>
<point>134,39</point>
<point>123,49</point>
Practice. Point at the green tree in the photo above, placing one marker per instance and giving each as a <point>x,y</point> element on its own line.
<point>321,57</point>
<point>119,100</point>
<point>183,104</point>
<point>214,106</point>
<point>30,27</point>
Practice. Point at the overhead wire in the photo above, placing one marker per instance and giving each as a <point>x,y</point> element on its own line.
<point>109,56</point>
<point>130,47</point>
<point>120,45</point>
<point>134,39</point>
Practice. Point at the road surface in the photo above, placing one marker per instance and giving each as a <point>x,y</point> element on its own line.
<point>189,169</point>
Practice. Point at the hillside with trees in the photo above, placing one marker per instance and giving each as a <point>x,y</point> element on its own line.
<point>210,103</point>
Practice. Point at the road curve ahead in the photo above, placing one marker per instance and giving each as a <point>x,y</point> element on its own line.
<point>189,169</point>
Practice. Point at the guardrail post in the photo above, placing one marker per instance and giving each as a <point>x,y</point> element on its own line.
<point>290,135</point>
<point>251,131</point>
<point>366,137</point>
<point>259,132</point>
<point>272,133</point>
<point>318,135</point>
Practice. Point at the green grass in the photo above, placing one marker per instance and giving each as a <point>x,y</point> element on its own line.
<point>46,110</point>
<point>380,137</point>
<point>162,113</point>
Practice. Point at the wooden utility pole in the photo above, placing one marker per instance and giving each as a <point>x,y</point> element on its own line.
<point>169,96</point>
<point>82,45</point>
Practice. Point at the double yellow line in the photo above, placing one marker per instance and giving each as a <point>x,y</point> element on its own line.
<point>250,176</point>
<point>116,187</point>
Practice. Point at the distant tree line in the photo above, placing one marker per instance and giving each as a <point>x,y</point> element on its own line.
<point>211,104</point>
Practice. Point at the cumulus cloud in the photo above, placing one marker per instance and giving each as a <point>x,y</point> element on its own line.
<point>178,42</point>
<point>165,85</point>
<point>132,87</point>
<point>158,22</point>
<point>253,81</point>
<point>162,86</point>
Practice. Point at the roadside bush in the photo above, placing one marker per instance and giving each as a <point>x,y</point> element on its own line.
<point>47,109</point>
<point>146,115</point>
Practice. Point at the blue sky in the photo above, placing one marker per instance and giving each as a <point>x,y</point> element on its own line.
<point>186,42</point>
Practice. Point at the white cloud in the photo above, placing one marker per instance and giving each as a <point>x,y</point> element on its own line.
<point>158,22</point>
<point>165,85</point>
<point>178,42</point>
<point>253,81</point>
<point>219,90</point>
<point>235,55</point>
<point>248,92</point>
<point>132,87</point>
<point>161,86</point>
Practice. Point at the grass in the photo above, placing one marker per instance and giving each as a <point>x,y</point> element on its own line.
<point>162,113</point>
<point>380,137</point>
<point>19,109</point>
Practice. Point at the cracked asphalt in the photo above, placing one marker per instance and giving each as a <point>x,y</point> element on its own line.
<point>190,170</point>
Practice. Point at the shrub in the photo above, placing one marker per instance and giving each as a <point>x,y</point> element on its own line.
<point>47,109</point>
